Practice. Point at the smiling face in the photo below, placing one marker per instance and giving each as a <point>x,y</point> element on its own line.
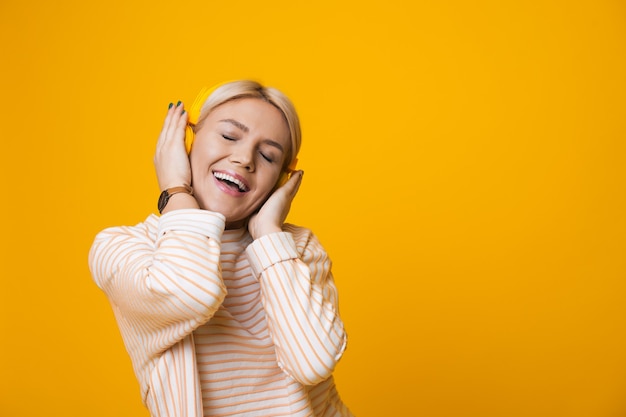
<point>237,157</point>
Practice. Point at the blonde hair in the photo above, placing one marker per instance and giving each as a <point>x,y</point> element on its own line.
<point>251,89</point>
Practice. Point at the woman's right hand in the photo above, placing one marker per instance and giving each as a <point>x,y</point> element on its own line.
<point>170,159</point>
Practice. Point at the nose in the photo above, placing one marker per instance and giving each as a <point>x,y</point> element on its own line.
<point>243,156</point>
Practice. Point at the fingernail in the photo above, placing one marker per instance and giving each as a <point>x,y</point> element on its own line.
<point>178,104</point>
<point>184,111</point>
<point>170,106</point>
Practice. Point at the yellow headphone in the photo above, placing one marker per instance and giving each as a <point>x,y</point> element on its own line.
<point>194,115</point>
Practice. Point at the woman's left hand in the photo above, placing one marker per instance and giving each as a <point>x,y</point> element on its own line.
<point>272,214</point>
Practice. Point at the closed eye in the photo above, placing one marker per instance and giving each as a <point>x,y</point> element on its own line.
<point>228,137</point>
<point>266,157</point>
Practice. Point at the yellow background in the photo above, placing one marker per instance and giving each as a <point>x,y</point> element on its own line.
<point>465,168</point>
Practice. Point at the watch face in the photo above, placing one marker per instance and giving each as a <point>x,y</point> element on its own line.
<point>163,200</point>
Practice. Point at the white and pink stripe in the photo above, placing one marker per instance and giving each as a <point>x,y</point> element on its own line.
<point>217,324</point>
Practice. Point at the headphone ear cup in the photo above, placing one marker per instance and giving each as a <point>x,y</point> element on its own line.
<point>189,137</point>
<point>194,113</point>
<point>286,174</point>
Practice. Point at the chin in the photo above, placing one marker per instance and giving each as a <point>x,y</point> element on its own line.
<point>231,217</point>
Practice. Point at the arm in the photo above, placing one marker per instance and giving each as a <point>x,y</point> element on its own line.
<point>300,300</point>
<point>162,276</point>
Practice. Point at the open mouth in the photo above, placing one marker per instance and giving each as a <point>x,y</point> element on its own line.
<point>231,182</point>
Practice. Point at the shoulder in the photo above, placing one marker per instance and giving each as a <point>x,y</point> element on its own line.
<point>298,232</point>
<point>302,236</point>
<point>307,243</point>
<point>146,229</point>
<point>114,246</point>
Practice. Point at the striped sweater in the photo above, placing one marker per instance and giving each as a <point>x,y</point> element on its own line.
<point>218,324</point>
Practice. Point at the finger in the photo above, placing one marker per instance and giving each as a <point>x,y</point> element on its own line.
<point>182,121</point>
<point>300,176</point>
<point>174,116</point>
<point>173,128</point>
<point>179,131</point>
<point>293,184</point>
<point>167,124</point>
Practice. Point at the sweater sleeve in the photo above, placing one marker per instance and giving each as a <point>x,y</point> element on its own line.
<point>162,277</point>
<point>300,300</point>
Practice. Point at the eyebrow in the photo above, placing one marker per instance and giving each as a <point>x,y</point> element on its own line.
<point>236,124</point>
<point>245,128</point>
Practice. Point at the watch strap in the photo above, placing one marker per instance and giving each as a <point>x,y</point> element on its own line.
<point>168,192</point>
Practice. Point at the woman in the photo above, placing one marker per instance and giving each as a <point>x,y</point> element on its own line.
<point>225,309</point>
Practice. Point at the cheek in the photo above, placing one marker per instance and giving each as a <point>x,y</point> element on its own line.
<point>271,179</point>
<point>201,154</point>
<point>195,165</point>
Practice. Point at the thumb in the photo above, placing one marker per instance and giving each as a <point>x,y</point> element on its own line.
<point>293,184</point>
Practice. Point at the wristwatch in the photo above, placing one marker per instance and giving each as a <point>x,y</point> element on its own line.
<point>168,192</point>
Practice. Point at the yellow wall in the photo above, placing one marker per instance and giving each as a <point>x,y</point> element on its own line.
<point>465,168</point>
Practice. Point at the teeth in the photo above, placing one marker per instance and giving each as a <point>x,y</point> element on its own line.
<point>222,176</point>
